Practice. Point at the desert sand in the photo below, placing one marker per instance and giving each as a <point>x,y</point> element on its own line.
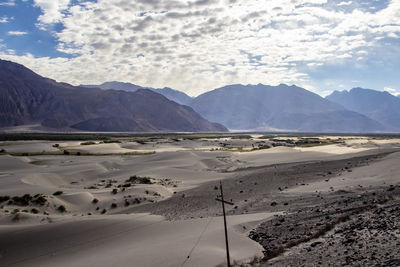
<point>106,222</point>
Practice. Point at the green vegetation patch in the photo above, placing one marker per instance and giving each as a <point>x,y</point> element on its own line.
<point>241,136</point>
<point>111,141</point>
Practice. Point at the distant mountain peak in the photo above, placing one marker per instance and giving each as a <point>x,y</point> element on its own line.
<point>171,94</point>
<point>378,105</point>
<point>258,107</point>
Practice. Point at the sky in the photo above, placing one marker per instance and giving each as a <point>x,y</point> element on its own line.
<point>199,45</point>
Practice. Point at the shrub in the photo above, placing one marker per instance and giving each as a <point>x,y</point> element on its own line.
<point>92,187</point>
<point>139,180</point>
<point>66,152</point>
<point>39,199</point>
<point>61,208</point>
<point>95,200</point>
<point>22,201</point>
<point>34,211</point>
<point>4,198</point>
<point>57,193</point>
<point>114,191</point>
<point>87,143</point>
<point>111,141</point>
<point>113,205</point>
<point>103,211</point>
<point>56,145</point>
<point>2,151</point>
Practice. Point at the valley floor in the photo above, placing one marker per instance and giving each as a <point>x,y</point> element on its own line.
<point>331,204</point>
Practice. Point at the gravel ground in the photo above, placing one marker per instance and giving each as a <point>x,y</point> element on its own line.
<point>358,227</point>
<point>252,190</point>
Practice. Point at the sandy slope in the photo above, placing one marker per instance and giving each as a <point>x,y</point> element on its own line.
<point>379,173</point>
<point>29,146</point>
<point>127,240</point>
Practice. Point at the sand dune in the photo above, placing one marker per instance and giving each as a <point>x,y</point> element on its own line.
<point>333,149</point>
<point>112,148</point>
<point>376,174</point>
<point>126,240</point>
<point>29,146</point>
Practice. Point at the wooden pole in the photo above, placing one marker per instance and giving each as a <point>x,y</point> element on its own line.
<point>226,230</point>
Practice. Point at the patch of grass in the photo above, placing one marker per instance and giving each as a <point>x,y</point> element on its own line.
<point>241,136</point>
<point>29,154</point>
<point>78,153</point>
<point>267,137</point>
<point>111,141</point>
<point>51,136</point>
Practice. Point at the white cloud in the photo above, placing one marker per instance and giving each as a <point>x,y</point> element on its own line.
<point>8,3</point>
<point>52,10</point>
<point>17,33</point>
<point>393,91</point>
<point>5,19</point>
<point>199,45</point>
<point>344,3</point>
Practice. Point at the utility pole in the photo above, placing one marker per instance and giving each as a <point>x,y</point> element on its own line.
<point>226,230</point>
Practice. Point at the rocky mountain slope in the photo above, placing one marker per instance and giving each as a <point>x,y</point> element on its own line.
<point>28,98</point>
<point>171,94</point>
<point>284,108</point>
<point>380,106</point>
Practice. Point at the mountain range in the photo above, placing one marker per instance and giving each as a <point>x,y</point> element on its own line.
<point>279,108</point>
<point>28,98</point>
<point>380,106</point>
<point>171,94</point>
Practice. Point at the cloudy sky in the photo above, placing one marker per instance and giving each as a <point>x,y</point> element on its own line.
<point>198,45</point>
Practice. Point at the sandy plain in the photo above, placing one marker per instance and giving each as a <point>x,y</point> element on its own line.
<point>175,220</point>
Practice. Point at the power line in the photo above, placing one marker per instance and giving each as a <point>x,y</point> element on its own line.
<point>197,241</point>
